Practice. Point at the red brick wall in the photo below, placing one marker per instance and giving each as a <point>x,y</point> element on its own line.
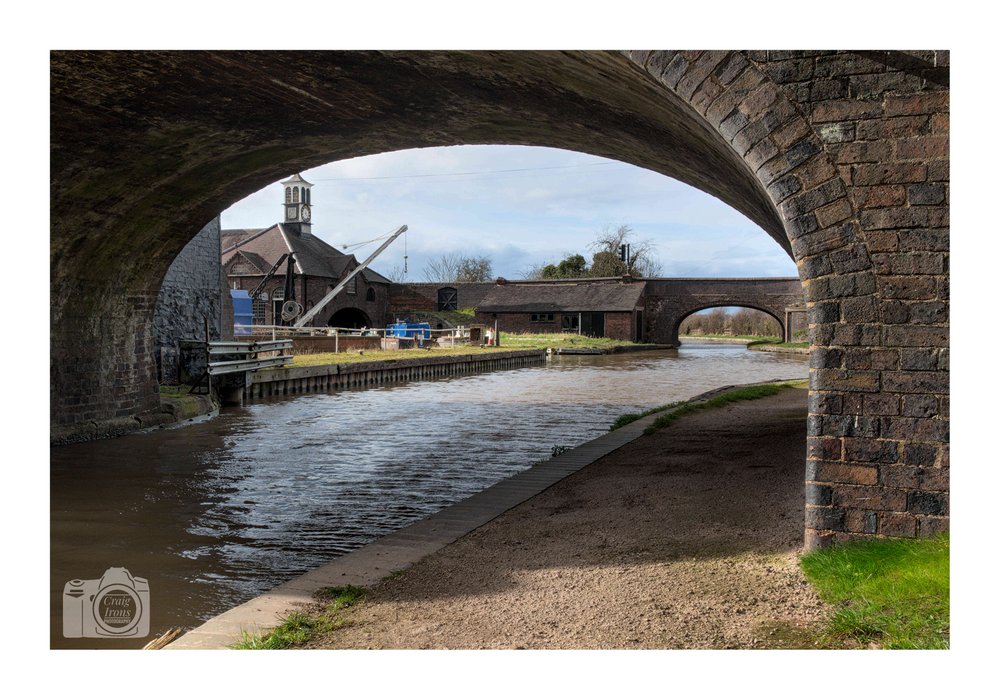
<point>520,323</point>
<point>619,325</point>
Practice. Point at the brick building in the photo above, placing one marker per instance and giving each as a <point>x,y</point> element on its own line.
<point>611,308</point>
<point>249,254</point>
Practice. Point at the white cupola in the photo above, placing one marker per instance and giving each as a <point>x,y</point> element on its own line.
<point>297,204</point>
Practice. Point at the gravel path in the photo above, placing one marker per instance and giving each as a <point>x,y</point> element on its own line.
<point>687,538</point>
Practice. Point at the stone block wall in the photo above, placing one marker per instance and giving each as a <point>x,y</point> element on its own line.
<point>193,291</point>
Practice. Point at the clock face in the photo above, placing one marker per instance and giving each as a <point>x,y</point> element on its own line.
<point>305,212</point>
<point>289,212</point>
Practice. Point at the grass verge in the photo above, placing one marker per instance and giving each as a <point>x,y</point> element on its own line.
<point>683,408</point>
<point>776,344</point>
<point>892,594</point>
<point>541,341</point>
<point>299,627</point>
<point>344,358</point>
<point>755,338</point>
<point>746,393</point>
<point>624,419</point>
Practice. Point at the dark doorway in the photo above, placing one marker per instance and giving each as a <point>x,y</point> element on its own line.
<point>447,299</point>
<point>638,326</point>
<point>350,318</point>
<point>592,323</point>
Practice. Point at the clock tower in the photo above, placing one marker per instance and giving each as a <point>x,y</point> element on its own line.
<point>298,204</point>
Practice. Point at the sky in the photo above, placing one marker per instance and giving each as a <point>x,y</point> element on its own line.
<point>543,205</point>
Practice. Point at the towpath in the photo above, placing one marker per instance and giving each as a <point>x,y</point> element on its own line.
<point>687,538</point>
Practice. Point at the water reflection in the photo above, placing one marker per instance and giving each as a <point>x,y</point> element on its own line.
<point>215,513</point>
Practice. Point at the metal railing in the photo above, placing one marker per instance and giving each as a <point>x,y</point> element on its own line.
<point>248,359</point>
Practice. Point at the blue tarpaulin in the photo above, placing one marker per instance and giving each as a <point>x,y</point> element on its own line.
<point>409,330</point>
<point>242,311</point>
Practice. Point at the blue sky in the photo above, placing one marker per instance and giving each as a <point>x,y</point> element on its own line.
<point>454,200</point>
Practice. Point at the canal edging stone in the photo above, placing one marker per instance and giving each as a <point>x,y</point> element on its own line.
<point>320,378</point>
<point>402,548</point>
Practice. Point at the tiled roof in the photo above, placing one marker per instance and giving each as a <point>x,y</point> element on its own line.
<point>562,296</point>
<point>255,260</point>
<point>313,256</point>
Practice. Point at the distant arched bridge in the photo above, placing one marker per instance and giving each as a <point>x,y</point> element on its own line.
<point>670,301</point>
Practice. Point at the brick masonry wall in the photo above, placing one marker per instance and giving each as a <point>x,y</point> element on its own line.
<point>619,325</point>
<point>670,301</point>
<point>852,149</point>
<point>422,296</point>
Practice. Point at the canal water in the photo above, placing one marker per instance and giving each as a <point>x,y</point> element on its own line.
<point>214,513</point>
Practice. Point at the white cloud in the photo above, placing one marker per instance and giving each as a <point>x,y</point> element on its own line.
<point>537,214</point>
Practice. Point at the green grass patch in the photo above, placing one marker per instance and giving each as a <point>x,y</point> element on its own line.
<point>300,627</point>
<point>684,408</point>
<point>624,419</point>
<point>344,358</point>
<point>541,341</point>
<point>296,628</point>
<point>890,593</point>
<point>755,338</point>
<point>747,393</point>
<point>341,597</point>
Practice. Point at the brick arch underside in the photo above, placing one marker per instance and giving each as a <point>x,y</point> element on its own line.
<point>147,147</point>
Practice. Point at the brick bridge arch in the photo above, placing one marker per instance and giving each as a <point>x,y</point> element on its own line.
<point>670,301</point>
<point>841,157</point>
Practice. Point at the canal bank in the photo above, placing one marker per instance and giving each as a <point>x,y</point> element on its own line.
<point>292,381</point>
<point>514,521</point>
<point>176,408</point>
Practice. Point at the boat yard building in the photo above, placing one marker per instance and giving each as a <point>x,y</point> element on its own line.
<point>250,255</point>
<point>602,307</point>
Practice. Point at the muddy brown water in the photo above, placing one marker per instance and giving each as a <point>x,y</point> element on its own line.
<point>216,512</point>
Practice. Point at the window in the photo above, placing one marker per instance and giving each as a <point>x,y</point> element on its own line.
<point>306,197</point>
<point>278,294</point>
<point>352,285</point>
<point>571,323</point>
<point>259,307</point>
<point>542,318</point>
<point>288,195</point>
<point>295,194</point>
<point>370,294</point>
